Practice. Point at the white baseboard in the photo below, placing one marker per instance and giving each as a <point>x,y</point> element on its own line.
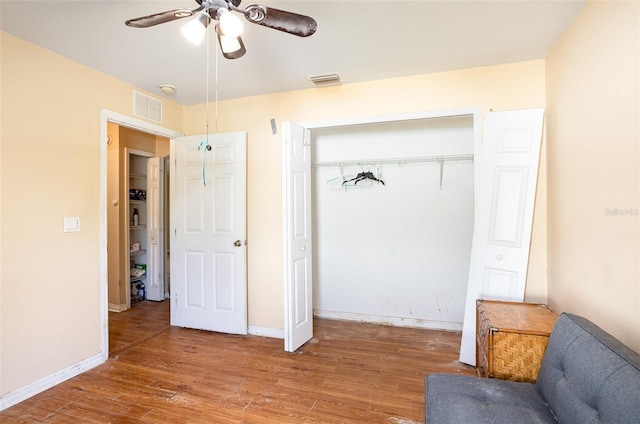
<point>117,307</point>
<point>274,333</point>
<point>277,333</point>
<point>24,393</point>
<point>386,320</point>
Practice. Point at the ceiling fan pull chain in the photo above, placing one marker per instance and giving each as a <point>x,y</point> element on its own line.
<point>216,85</point>
<point>205,146</point>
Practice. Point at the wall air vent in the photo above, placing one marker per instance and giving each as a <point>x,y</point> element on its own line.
<point>326,79</point>
<point>147,107</point>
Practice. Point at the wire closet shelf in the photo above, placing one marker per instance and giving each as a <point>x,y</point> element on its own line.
<point>395,161</point>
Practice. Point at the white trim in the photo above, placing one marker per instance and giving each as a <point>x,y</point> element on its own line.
<point>274,333</point>
<point>443,113</point>
<point>285,239</point>
<point>102,239</point>
<point>17,396</point>
<point>136,124</point>
<point>388,320</point>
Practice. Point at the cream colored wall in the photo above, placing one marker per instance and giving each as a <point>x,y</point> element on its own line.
<point>512,86</point>
<point>593,136</point>
<point>50,162</point>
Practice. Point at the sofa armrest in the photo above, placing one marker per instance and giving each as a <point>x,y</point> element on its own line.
<point>588,376</point>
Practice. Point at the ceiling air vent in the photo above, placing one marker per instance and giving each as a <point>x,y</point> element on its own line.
<point>147,107</point>
<point>326,79</point>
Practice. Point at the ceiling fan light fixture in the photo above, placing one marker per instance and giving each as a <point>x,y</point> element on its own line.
<point>232,47</point>
<point>230,24</point>
<point>195,29</point>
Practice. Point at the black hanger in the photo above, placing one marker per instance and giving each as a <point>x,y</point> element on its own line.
<point>364,176</point>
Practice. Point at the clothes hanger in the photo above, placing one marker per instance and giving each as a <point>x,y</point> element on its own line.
<point>364,176</point>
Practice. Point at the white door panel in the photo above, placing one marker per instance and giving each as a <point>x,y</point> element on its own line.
<point>297,225</point>
<point>155,229</point>
<point>209,251</point>
<point>507,169</point>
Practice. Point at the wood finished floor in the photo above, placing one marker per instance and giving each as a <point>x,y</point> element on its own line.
<point>348,373</point>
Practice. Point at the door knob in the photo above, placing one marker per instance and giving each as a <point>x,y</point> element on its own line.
<point>237,243</point>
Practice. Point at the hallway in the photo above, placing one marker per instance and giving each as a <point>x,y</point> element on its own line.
<point>143,321</point>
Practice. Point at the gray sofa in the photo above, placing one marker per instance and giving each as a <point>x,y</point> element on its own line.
<point>586,377</point>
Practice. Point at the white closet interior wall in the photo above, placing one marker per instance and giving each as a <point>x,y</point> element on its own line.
<point>396,253</point>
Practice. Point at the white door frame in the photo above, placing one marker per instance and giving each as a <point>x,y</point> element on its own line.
<point>142,126</point>
<point>476,112</point>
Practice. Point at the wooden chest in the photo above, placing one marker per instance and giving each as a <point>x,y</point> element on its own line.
<point>511,339</point>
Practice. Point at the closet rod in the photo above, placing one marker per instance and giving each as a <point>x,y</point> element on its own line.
<point>396,161</point>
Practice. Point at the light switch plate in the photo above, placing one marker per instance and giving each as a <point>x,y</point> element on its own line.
<point>71,224</point>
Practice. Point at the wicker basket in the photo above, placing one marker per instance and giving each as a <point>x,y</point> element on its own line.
<point>512,338</point>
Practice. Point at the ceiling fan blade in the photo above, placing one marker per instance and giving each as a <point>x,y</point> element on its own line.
<point>293,23</point>
<point>160,18</point>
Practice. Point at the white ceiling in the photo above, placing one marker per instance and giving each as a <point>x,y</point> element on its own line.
<point>360,39</point>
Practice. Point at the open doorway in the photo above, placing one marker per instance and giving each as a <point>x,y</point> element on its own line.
<point>393,221</point>
<point>461,127</point>
<point>128,143</point>
<point>136,242</point>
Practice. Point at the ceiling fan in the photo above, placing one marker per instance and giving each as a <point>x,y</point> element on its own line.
<point>228,26</point>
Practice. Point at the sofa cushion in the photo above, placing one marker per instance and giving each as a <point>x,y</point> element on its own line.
<point>587,376</point>
<point>462,399</point>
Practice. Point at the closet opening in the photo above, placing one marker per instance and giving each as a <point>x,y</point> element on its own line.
<point>392,216</point>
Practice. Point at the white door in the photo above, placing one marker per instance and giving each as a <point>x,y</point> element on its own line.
<point>155,229</point>
<point>208,249</point>
<point>298,319</point>
<point>507,170</point>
